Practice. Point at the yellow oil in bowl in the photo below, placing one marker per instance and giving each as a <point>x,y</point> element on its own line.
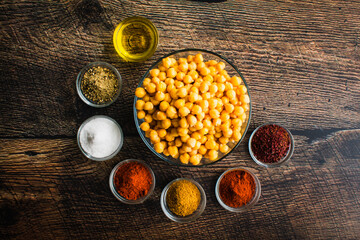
<point>135,39</point>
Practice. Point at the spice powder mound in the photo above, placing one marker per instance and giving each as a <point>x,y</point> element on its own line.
<point>133,180</point>
<point>270,143</point>
<point>237,188</point>
<point>183,198</point>
<point>99,85</point>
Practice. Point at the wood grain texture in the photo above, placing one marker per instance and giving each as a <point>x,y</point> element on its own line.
<point>48,185</point>
<point>300,59</point>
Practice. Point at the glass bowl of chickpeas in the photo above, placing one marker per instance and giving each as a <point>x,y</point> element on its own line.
<point>192,107</point>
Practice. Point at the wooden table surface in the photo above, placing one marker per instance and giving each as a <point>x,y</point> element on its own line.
<point>301,60</point>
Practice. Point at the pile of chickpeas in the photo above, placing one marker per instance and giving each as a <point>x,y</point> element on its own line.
<point>192,109</point>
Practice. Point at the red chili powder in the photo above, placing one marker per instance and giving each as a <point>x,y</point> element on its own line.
<point>133,180</point>
<point>270,143</point>
<point>237,188</point>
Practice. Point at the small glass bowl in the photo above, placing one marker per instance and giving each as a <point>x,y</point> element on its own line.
<point>113,187</point>
<point>245,207</point>
<point>136,20</point>
<point>282,161</point>
<point>86,153</point>
<point>81,75</point>
<point>175,217</point>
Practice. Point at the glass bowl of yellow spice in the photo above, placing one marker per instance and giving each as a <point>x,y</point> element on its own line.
<point>183,200</point>
<point>98,84</point>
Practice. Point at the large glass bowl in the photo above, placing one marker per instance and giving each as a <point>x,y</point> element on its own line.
<point>232,71</point>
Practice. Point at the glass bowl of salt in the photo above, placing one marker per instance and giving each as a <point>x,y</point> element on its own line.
<point>100,138</point>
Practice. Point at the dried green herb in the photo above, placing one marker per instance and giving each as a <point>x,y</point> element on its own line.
<point>99,85</point>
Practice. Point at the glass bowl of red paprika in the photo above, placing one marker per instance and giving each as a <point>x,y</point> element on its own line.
<point>132,181</point>
<point>271,145</point>
<point>237,189</point>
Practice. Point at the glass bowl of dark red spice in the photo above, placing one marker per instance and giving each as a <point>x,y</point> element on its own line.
<point>237,189</point>
<point>271,145</point>
<point>132,181</point>
<point>98,84</point>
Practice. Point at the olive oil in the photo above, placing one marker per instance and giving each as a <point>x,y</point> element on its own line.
<point>135,39</point>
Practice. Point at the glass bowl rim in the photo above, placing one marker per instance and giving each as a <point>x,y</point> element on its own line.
<point>81,75</point>
<point>191,217</point>
<point>87,154</point>
<point>143,136</point>
<point>247,206</point>
<point>149,24</point>
<point>113,188</point>
<point>284,160</point>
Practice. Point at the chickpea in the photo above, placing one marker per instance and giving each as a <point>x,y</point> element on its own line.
<point>213,155</point>
<point>183,123</point>
<point>223,140</point>
<point>164,106</point>
<point>183,131</point>
<point>161,87</point>
<point>159,147</point>
<point>155,80</point>
<point>178,142</point>
<point>159,96</point>
<point>145,126</point>
<point>184,158</point>
<point>148,118</point>
<point>231,94</point>
<point>171,112</point>
<point>220,66</point>
<point>191,142</point>
<point>146,82</point>
<point>227,133</point>
<point>192,66</point>
<point>139,105</point>
<point>245,99</point>
<point>154,101</point>
<point>214,113</point>
<point>210,144</point>
<point>236,81</point>
<point>191,119</point>
<point>204,131</point>
<point>140,92</point>
<point>202,150</point>
<point>242,90</point>
<point>173,150</point>
<point>171,73</point>
<point>189,105</point>
<point>195,159</point>
<point>162,76</point>
<point>169,138</point>
<point>182,92</point>
<point>151,88</point>
<point>184,111</point>
<point>199,125</point>
<point>166,123</point>
<point>141,114</point>
<point>154,72</point>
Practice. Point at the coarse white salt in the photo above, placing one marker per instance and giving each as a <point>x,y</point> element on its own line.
<point>100,137</point>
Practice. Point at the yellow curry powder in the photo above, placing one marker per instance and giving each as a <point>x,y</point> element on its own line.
<point>183,198</point>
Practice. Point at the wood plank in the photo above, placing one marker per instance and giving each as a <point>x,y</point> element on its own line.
<point>49,190</point>
<point>300,59</point>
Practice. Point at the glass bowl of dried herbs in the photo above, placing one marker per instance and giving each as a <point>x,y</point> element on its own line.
<point>99,84</point>
<point>271,145</point>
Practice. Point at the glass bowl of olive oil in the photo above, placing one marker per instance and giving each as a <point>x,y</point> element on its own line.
<point>135,39</point>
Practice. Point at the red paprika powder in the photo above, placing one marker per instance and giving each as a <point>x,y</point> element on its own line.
<point>237,188</point>
<point>270,143</point>
<point>133,180</point>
